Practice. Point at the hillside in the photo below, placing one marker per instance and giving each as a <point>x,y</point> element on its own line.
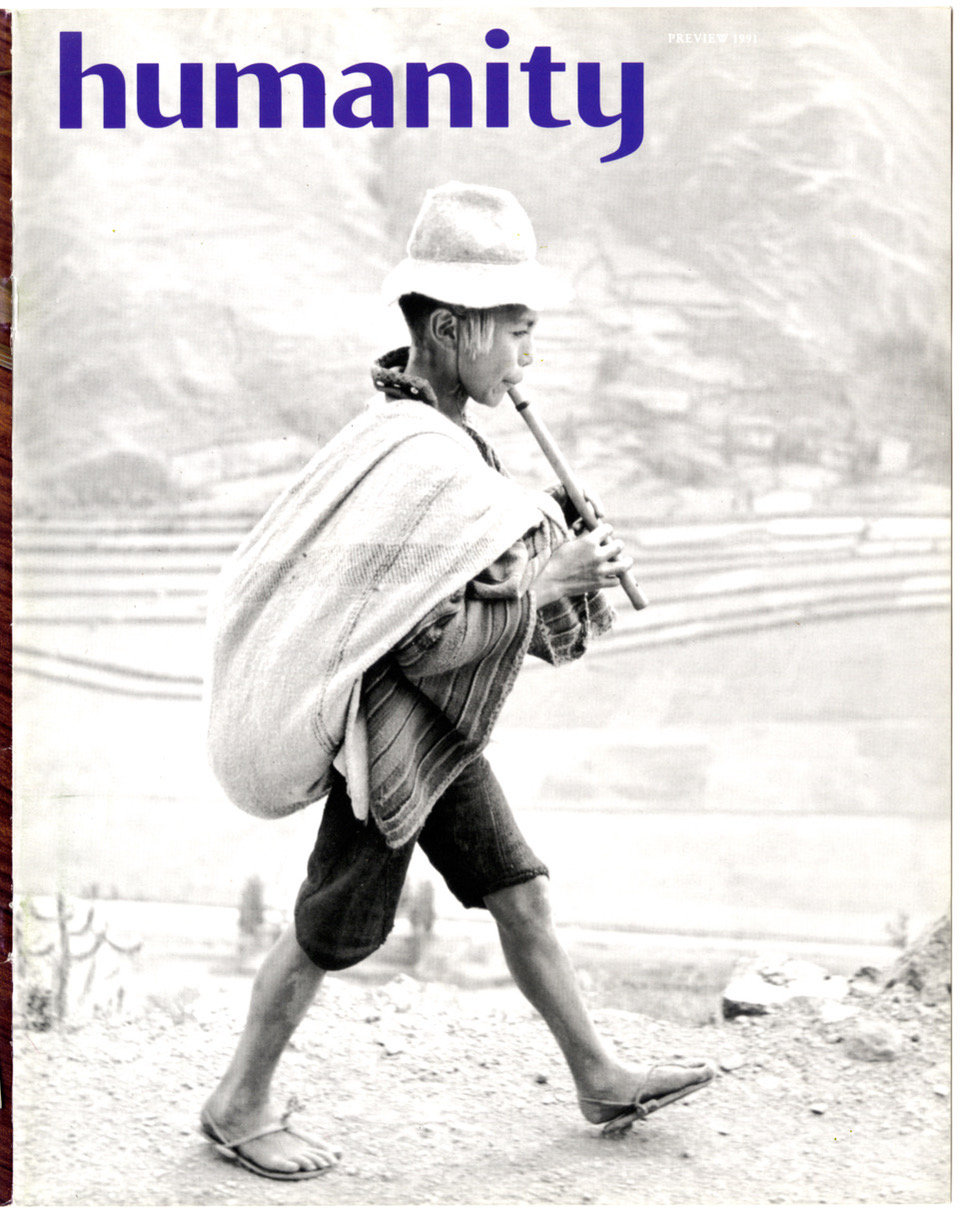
<point>762,287</point>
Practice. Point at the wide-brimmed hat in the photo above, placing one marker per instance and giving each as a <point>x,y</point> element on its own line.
<point>473,245</point>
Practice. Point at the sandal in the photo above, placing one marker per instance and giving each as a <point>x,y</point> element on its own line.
<point>231,1149</point>
<point>617,1118</point>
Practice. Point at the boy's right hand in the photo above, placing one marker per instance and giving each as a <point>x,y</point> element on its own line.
<point>593,561</point>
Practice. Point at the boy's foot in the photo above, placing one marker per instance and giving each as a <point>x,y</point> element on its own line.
<point>267,1146</point>
<point>635,1094</point>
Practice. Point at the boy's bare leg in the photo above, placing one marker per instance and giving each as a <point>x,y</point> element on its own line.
<point>544,974</point>
<point>283,992</point>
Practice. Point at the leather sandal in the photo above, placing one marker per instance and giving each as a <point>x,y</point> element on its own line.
<point>617,1118</point>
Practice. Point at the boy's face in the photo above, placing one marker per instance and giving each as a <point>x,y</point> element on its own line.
<point>486,376</point>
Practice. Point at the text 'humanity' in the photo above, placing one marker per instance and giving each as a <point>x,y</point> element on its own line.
<point>371,103</point>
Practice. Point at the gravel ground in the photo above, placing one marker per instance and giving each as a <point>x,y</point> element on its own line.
<point>449,1097</point>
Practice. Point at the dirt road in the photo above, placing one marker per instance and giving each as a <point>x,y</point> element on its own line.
<point>439,1096</point>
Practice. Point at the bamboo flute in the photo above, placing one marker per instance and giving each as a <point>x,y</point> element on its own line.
<point>569,481</point>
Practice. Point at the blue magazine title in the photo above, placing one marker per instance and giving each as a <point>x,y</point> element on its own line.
<point>371,103</point>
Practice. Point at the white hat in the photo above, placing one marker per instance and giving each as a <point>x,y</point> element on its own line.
<point>473,246</point>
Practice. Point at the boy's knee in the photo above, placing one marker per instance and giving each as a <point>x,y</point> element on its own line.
<point>523,906</point>
<point>334,960</point>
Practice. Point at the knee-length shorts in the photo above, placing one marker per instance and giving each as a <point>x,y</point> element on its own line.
<point>347,905</point>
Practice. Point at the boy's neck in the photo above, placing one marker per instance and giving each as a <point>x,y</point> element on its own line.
<point>451,396</point>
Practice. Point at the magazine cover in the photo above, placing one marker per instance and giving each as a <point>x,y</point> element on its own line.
<point>481,606</point>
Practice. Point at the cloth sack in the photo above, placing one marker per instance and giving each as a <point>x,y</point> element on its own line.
<point>396,513</point>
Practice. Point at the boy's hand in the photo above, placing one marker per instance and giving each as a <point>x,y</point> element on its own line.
<point>593,501</point>
<point>570,512</point>
<point>593,561</point>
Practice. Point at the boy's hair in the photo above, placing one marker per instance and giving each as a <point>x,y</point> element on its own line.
<point>478,328</point>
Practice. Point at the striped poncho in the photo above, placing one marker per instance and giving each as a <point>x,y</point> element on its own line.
<point>320,622</point>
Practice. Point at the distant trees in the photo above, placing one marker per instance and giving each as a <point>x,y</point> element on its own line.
<point>251,906</point>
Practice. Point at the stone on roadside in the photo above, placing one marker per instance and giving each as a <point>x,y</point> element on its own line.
<point>760,986</point>
<point>872,1040</point>
<point>925,967</point>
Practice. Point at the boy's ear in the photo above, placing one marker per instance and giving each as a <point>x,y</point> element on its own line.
<point>443,327</point>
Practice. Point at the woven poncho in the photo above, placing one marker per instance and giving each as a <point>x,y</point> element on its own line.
<point>395,514</point>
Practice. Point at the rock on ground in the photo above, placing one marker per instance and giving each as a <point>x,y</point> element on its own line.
<point>926,965</point>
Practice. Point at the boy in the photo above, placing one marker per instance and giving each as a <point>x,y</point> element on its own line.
<point>365,638</point>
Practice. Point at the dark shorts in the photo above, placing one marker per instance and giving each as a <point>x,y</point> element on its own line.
<point>346,906</point>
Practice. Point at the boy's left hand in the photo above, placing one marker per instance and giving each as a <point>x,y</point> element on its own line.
<point>594,501</point>
<point>595,504</point>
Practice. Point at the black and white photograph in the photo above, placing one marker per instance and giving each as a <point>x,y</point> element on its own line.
<point>511,448</point>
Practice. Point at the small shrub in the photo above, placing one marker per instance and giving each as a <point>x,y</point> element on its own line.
<point>177,1006</point>
<point>38,1009</point>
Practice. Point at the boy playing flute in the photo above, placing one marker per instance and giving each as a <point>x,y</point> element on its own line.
<point>365,638</point>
